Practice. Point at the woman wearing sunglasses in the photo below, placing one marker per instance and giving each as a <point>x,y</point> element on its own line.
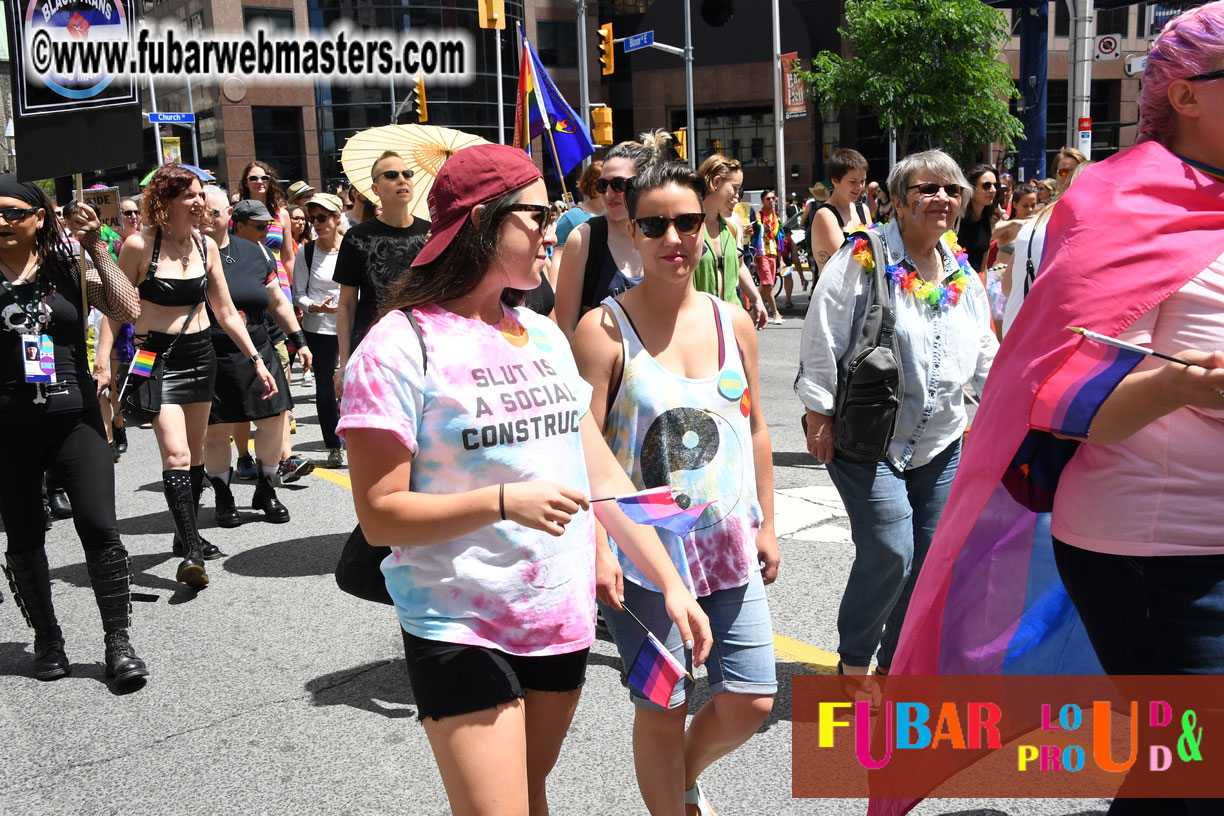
<point>978,219</point>
<point>945,343</point>
<point>57,423</point>
<point>301,225</point>
<point>472,454</point>
<point>600,259</point>
<point>317,294</point>
<point>175,270</point>
<point>674,388</point>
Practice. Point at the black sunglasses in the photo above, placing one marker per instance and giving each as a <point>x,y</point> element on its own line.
<point>254,179</point>
<point>1207,77</point>
<point>542,214</point>
<point>619,184</point>
<point>989,185</point>
<point>930,188</point>
<point>655,226</point>
<point>392,175</point>
<point>127,213</point>
<point>320,218</point>
<point>15,214</point>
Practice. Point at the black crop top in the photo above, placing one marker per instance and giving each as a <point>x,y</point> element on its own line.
<point>173,291</point>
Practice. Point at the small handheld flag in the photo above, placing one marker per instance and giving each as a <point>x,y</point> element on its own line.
<point>657,507</point>
<point>655,671</point>
<point>1122,344</point>
<point>142,363</point>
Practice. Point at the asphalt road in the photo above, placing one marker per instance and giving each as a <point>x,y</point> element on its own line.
<point>273,692</point>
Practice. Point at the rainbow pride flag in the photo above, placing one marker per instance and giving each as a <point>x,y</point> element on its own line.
<point>657,507</point>
<point>655,671</point>
<point>142,363</point>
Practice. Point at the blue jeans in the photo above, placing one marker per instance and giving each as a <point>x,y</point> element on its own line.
<point>741,659</point>
<point>892,521</point>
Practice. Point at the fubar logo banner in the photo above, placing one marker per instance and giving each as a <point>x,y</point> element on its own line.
<point>1019,736</point>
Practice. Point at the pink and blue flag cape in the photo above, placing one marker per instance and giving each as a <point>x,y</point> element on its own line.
<point>657,507</point>
<point>989,600</point>
<point>655,671</point>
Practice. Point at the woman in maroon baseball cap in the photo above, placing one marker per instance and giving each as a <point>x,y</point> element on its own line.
<point>473,455</point>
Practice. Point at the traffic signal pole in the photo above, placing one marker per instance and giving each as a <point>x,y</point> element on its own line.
<point>779,113</point>
<point>584,92</point>
<point>690,153</point>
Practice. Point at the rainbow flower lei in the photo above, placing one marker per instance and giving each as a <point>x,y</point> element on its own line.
<point>939,296</point>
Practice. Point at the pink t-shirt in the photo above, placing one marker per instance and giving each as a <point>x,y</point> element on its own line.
<point>1156,492</point>
<point>496,405</point>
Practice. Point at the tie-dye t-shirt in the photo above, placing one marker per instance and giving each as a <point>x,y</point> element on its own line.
<point>498,404</point>
<point>694,435</point>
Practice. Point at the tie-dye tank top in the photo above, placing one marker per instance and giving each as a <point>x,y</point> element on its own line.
<point>274,239</point>
<point>695,435</point>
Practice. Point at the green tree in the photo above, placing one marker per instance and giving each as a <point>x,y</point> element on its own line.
<point>924,65</point>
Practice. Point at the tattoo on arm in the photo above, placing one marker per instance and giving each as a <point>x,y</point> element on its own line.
<point>822,257</point>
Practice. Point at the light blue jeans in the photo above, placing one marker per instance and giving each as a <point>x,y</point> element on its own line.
<point>741,659</point>
<point>892,521</point>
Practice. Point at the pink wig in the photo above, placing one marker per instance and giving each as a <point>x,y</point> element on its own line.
<point>1189,45</point>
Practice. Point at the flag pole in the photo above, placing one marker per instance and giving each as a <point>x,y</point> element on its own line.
<point>650,633</point>
<point>556,161</point>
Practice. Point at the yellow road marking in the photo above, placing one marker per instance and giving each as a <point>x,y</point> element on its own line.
<point>789,649</point>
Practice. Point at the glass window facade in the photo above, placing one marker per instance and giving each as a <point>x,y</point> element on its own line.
<point>278,139</point>
<point>344,110</point>
<point>557,43</point>
<point>746,134</point>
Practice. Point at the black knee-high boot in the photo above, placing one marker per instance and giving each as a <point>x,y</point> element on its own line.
<point>111,578</point>
<point>30,579</point>
<point>177,486</point>
<point>208,550</point>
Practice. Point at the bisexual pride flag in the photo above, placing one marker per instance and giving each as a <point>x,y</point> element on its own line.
<point>655,671</point>
<point>142,363</point>
<point>657,507</point>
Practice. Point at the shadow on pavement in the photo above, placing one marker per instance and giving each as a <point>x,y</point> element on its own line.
<point>380,688</point>
<point>295,558</point>
<point>15,659</point>
<point>796,459</point>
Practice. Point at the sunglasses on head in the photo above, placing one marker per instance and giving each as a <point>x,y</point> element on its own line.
<point>392,175</point>
<point>1207,77</point>
<point>542,214</point>
<point>620,184</point>
<point>252,179</point>
<point>655,226</point>
<point>930,188</point>
<point>15,214</point>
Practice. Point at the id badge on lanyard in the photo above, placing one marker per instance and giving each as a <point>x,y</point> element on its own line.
<point>38,357</point>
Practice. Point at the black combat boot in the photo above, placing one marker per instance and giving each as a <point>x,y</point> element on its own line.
<point>177,486</point>
<point>30,580</point>
<point>265,498</point>
<point>111,578</point>
<point>227,512</point>
<point>208,550</point>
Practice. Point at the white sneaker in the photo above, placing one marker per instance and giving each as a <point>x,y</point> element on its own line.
<point>778,320</point>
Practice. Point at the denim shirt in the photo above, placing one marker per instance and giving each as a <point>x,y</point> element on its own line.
<point>941,351</point>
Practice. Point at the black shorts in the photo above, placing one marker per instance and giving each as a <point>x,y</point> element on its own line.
<point>449,679</point>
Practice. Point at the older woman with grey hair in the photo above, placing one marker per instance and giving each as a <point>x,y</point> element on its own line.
<point>945,342</point>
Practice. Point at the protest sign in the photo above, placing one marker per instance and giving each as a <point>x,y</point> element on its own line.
<point>70,122</point>
<point>105,202</point>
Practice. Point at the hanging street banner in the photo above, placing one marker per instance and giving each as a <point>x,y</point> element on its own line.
<point>69,122</point>
<point>795,101</point>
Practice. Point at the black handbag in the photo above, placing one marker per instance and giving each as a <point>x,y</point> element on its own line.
<point>869,378</point>
<point>358,571</point>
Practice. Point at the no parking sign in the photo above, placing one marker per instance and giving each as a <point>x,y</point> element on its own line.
<point>1108,47</point>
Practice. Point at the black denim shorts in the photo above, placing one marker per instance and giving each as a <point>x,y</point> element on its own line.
<point>449,679</point>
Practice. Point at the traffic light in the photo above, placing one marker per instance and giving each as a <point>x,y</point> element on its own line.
<point>492,13</point>
<point>606,49</point>
<point>681,143</point>
<point>601,118</point>
<point>422,109</point>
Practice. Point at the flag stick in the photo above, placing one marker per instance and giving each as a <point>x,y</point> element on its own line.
<point>647,628</point>
<point>647,492</point>
<point>556,161</point>
<point>1122,344</point>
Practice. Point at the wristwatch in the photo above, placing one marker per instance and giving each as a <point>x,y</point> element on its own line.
<point>256,359</point>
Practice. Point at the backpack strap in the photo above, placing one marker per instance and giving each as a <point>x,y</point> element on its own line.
<point>1030,273</point>
<point>416,327</point>
<point>309,251</point>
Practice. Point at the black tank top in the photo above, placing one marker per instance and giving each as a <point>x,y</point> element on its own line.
<point>173,291</point>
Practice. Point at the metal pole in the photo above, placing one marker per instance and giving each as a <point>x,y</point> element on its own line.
<point>501,111</point>
<point>156,127</point>
<point>584,93</point>
<point>779,120</point>
<point>195,134</point>
<point>1083,55</point>
<point>391,79</point>
<point>689,119</point>
<point>892,146</point>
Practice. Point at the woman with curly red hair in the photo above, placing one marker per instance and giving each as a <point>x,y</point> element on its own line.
<point>175,269</point>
